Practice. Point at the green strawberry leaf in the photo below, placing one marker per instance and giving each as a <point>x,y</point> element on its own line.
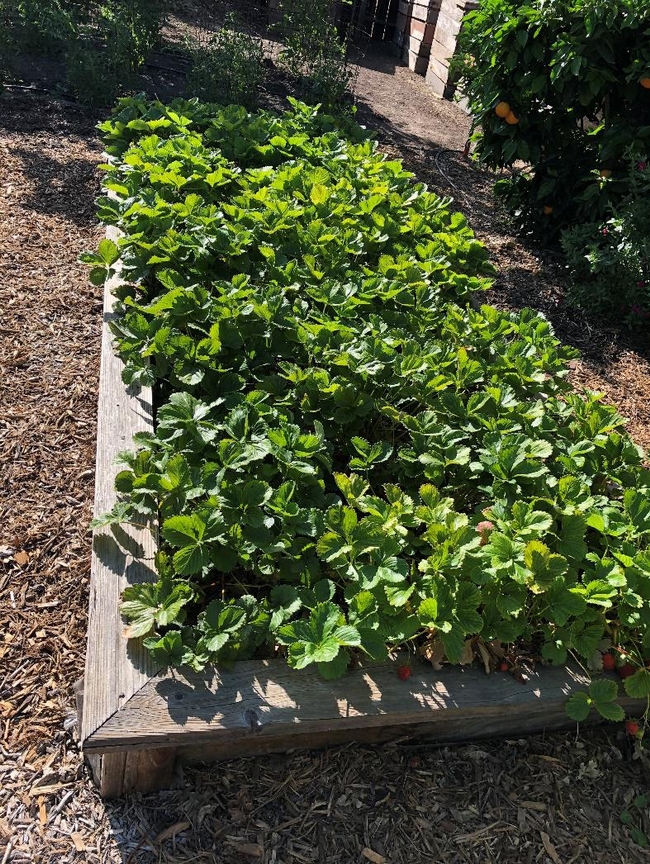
<point>578,706</point>
<point>610,711</point>
<point>603,690</point>
<point>638,685</point>
<point>152,605</point>
<point>335,668</point>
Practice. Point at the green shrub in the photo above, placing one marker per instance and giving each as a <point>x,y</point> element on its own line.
<point>571,72</point>
<point>111,47</point>
<point>348,454</point>
<point>102,43</point>
<point>7,37</point>
<point>130,30</point>
<point>44,26</point>
<point>228,69</point>
<point>94,75</point>
<point>314,52</point>
<point>610,259</point>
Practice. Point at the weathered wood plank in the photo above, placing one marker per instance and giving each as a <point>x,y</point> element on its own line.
<point>259,706</point>
<point>114,670</point>
<point>438,729</point>
<point>118,774</point>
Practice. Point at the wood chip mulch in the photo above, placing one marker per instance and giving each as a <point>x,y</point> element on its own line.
<point>553,799</point>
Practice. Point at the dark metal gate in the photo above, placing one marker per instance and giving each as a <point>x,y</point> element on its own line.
<point>374,19</point>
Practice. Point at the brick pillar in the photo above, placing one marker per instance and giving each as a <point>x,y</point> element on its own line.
<point>444,45</point>
<point>414,32</point>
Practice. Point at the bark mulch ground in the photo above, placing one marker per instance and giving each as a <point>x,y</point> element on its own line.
<point>545,799</point>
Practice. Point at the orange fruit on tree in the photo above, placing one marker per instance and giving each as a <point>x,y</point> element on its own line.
<point>511,119</point>
<point>502,109</point>
<point>548,210</point>
<point>645,82</point>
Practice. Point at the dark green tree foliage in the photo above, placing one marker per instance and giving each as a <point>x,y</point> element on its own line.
<point>576,74</point>
<point>349,453</point>
<point>609,259</point>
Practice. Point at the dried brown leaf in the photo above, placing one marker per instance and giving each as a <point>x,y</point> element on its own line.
<point>78,841</point>
<point>550,848</point>
<point>534,805</point>
<point>467,654</point>
<point>171,831</point>
<point>371,855</point>
<point>496,647</point>
<point>485,655</point>
<point>255,850</point>
<point>434,652</point>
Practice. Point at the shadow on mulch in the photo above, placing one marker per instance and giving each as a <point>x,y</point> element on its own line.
<point>514,801</point>
<point>375,55</point>
<point>60,187</point>
<point>29,109</point>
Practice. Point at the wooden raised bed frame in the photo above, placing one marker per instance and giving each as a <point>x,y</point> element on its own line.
<point>136,721</point>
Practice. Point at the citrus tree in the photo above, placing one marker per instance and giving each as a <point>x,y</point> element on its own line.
<point>559,89</point>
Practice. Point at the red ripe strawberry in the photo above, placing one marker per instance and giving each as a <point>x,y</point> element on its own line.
<point>632,728</point>
<point>609,663</point>
<point>626,670</point>
<point>404,673</point>
<point>503,667</point>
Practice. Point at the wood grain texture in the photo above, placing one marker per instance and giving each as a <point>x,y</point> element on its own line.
<point>121,555</point>
<point>437,729</point>
<point>261,706</point>
<point>144,771</point>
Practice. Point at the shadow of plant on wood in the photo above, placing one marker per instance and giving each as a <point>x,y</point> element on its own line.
<point>291,708</point>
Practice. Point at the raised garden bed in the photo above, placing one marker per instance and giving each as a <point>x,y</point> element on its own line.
<point>137,722</point>
<point>454,587</point>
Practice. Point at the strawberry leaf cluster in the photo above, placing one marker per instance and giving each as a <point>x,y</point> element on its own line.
<point>336,414</point>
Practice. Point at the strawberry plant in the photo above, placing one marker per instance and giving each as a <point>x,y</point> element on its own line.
<point>348,454</point>
<point>602,695</point>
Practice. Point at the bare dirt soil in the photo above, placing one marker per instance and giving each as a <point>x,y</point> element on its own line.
<point>546,799</point>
